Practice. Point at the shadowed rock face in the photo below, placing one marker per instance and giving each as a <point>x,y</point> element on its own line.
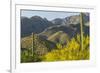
<point>34,24</point>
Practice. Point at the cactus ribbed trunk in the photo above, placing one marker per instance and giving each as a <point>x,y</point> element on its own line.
<point>32,43</point>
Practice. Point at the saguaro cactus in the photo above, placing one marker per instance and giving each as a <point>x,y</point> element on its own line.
<point>81,29</point>
<point>32,44</point>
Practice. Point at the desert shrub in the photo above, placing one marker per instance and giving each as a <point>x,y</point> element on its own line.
<point>70,51</point>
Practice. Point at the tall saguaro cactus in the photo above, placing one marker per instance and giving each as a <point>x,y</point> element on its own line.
<point>81,29</point>
<point>32,44</point>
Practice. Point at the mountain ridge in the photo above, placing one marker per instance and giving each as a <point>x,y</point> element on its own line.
<point>38,24</point>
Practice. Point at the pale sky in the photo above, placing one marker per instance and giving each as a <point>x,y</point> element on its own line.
<point>50,15</point>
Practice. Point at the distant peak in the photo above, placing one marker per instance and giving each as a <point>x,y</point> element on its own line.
<point>36,17</point>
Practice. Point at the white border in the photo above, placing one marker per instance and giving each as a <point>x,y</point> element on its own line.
<point>17,66</point>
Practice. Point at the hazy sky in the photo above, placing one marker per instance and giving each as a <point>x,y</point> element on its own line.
<point>50,15</point>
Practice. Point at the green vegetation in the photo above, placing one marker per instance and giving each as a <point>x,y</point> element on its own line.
<point>69,51</point>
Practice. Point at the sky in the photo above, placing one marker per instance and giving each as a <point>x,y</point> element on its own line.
<point>50,15</point>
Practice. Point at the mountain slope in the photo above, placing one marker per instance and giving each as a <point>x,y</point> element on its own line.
<point>34,24</point>
<point>41,46</point>
<point>59,37</point>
